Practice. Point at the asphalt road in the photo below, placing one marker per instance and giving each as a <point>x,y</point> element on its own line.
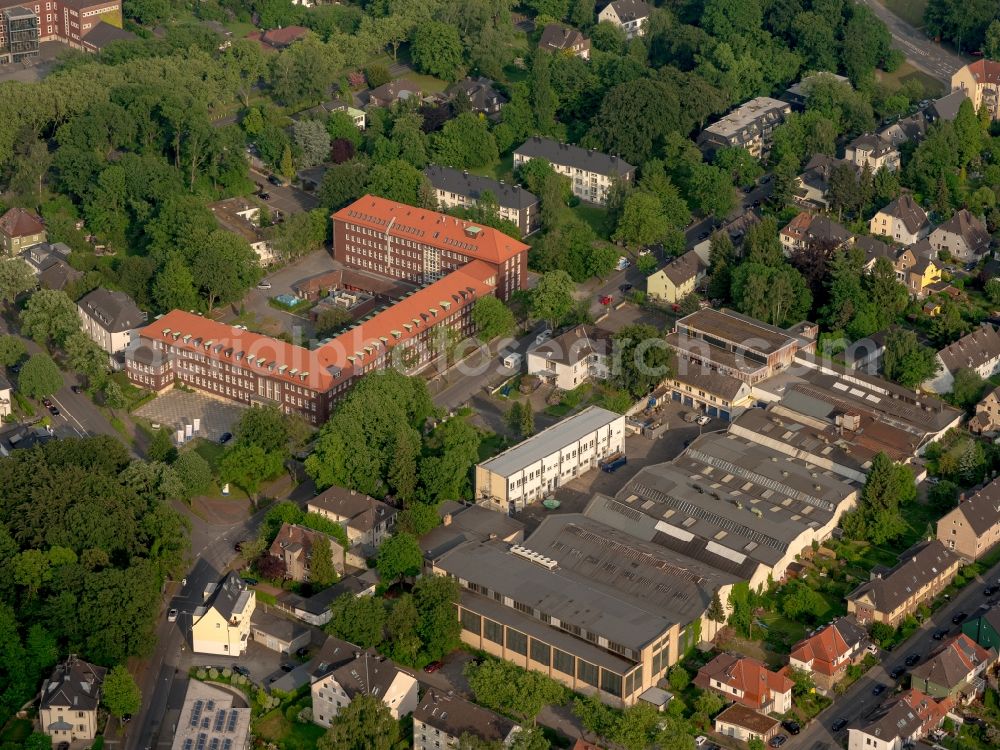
<point>858,701</point>
<point>287,199</point>
<point>924,53</point>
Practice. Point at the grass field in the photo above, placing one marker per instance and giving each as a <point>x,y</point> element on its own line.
<point>906,72</point>
<point>502,170</point>
<point>594,216</point>
<point>288,735</point>
<point>911,11</point>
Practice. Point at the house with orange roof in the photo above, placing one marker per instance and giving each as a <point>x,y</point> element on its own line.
<point>980,80</point>
<point>746,681</point>
<point>421,246</point>
<point>828,652</point>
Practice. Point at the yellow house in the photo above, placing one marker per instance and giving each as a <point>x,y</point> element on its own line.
<point>223,625</point>
<point>916,269</point>
<point>677,279</point>
<point>68,706</point>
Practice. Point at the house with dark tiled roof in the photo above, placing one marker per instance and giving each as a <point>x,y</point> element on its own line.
<point>973,528</point>
<point>441,719</point>
<point>389,93</point>
<point>808,230</point>
<point>69,701</point>
<point>980,80</point>
<point>987,418</point>
<point>278,39</point>
<point>873,250</point>
<point>678,278</point>
<point>902,719</point>
<point>559,38</point>
<point>917,268</point>
<point>891,594</point>
<point>222,625</point>
<point>293,546</point>
<point>368,673</point>
<point>110,318</point>
<point>903,220</point>
<point>577,356</point>
<point>631,16</point>
<point>19,230</point>
<point>366,520</point>
<point>456,188</point>
<point>873,151</point>
<point>946,108</point>
<point>746,681</point>
<point>591,173</point>
<point>963,236</point>
<point>813,185</point>
<point>954,670</point>
<point>978,351</point>
<point>912,128</point>
<point>481,93</point>
<point>104,34</point>
<point>828,652</point>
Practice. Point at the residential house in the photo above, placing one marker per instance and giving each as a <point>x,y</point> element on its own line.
<point>357,115</point>
<point>48,263</point>
<point>462,523</point>
<point>110,318</point>
<point>69,701</point>
<point>441,719</point>
<point>5,397</point>
<point>917,268</point>
<point>978,351</point>
<point>315,609</point>
<point>278,633</point>
<point>19,230</point>
<point>946,108</point>
<point>750,126</point>
<point>575,357</point>
<point>536,467</point>
<point>366,520</point>
<point>278,39</point>
<point>454,188</point>
<point>591,173</point>
<point>973,528</point>
<point>985,629</point>
<point>812,187</point>
<point>812,230</point>
<point>901,720</point>
<point>963,236</point>
<point>103,35</point>
<point>954,670</point>
<point>481,93</point>
<point>828,652</point>
<point>903,220</point>
<point>987,419</point>
<point>558,38</point>
<point>242,218</point>
<point>907,129</point>
<point>745,724</point>
<point>367,673</point>
<point>873,250</point>
<point>921,574</point>
<point>631,16</point>
<point>389,93</point>
<point>222,625</point>
<point>798,93</point>
<point>211,717</point>
<point>293,546</point>
<point>746,681</point>
<point>873,151</point>
<point>677,279</point>
<point>980,80</point>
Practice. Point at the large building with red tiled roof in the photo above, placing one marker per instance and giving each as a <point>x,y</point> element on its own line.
<point>748,682</point>
<point>980,81</point>
<point>251,368</point>
<point>421,246</point>
<point>827,653</point>
<point>67,21</point>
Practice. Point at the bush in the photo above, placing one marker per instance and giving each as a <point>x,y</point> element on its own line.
<point>305,715</point>
<point>213,674</point>
<point>377,75</point>
<point>227,673</point>
<point>201,674</point>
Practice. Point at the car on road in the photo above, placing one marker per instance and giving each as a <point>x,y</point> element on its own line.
<point>605,299</point>
<point>54,410</point>
<point>287,667</point>
<point>264,196</point>
<point>703,420</point>
<point>172,615</point>
<point>878,689</point>
<point>241,670</point>
<point>838,724</point>
<point>225,437</point>
<point>275,180</point>
<point>433,667</point>
<point>792,727</point>
<point>624,288</point>
<point>703,236</point>
<point>939,634</point>
<point>958,618</point>
<point>778,740</point>
<point>990,590</point>
<point>912,659</point>
<point>897,672</point>
<point>264,284</point>
<point>76,389</point>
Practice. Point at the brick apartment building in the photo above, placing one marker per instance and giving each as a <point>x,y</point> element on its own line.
<point>422,246</point>
<point>237,364</point>
<point>67,21</point>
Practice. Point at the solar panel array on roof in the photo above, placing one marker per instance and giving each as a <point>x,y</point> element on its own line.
<point>202,739</point>
<point>196,712</point>
<point>220,720</point>
<point>233,717</point>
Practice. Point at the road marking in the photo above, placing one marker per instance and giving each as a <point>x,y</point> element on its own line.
<point>66,415</point>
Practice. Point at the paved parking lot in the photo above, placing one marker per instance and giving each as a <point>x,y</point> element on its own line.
<point>288,200</point>
<point>175,408</point>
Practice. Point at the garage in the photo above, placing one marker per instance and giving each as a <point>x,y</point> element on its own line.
<point>278,633</point>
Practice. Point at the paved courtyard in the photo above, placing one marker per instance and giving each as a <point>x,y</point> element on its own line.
<point>176,408</point>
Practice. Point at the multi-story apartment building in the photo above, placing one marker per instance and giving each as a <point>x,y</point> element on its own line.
<point>442,719</point>
<point>67,21</point>
<point>873,151</point>
<point>591,173</point>
<point>422,246</point>
<point>980,80</point>
<point>242,366</point>
<point>110,318</point>
<point>963,236</point>
<point>456,188</point>
<point>903,220</point>
<point>68,706</point>
<point>973,528</point>
<point>749,126</point>
<point>577,356</point>
<point>537,466</point>
<point>366,520</point>
<point>367,674</point>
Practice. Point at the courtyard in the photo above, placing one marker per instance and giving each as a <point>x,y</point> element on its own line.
<point>176,408</point>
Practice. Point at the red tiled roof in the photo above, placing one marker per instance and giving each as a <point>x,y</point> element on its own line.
<point>322,368</point>
<point>447,232</point>
<point>19,222</point>
<point>747,675</point>
<point>286,35</point>
<point>824,648</point>
<point>985,71</point>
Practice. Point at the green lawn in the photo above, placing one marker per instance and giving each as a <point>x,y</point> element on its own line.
<point>210,451</point>
<point>906,72</point>
<point>288,735</point>
<point>490,445</point>
<point>427,84</point>
<point>911,11</point>
<point>594,216</point>
<point>501,170</point>
<point>16,731</point>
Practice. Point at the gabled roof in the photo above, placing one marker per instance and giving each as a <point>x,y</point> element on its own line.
<point>361,511</point>
<point>829,644</point>
<point>908,211</point>
<point>972,350</point>
<point>684,268</point>
<point>573,156</point>
<point>555,36</point>
<point>981,511</point>
<point>294,537</point>
<point>748,676</point>
<point>872,142</point>
<point>74,684</point>
<point>481,92</point>
<point>810,228</point>
<point>985,71</point>
<point>231,597</point>
<point>473,186</point>
<point>741,716</point>
<point>874,249</point>
<point>114,311</point>
<point>455,716</point>
<point>909,713</point>
<point>918,566</point>
<point>20,222</point>
<point>630,10</point>
<point>950,665</point>
<point>969,228</point>
<point>575,344</point>
<point>946,108</point>
<point>369,673</point>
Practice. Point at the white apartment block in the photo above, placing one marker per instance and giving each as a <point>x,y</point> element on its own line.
<point>591,173</point>
<point>537,466</point>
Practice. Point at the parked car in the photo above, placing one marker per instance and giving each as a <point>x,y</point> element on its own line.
<point>778,740</point>
<point>912,659</point>
<point>624,288</point>
<point>958,618</point>
<point>700,740</point>
<point>792,727</point>
<point>605,299</point>
<point>225,437</point>
<point>838,724</point>
<point>241,670</point>
<point>623,263</point>
<point>990,590</point>
<point>897,672</point>
<point>303,652</point>
<point>878,689</point>
<point>46,402</point>
<point>264,196</point>
<point>172,615</point>
<point>940,633</point>
<point>275,180</point>
<point>433,667</point>
<point>76,389</point>
<point>54,410</point>
<point>263,284</point>
<point>287,667</point>
<point>703,420</point>
<point>250,581</point>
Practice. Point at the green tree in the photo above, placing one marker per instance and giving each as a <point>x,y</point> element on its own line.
<point>800,602</point>
<point>401,627</point>
<point>224,268</point>
<point>709,703</point>
<point>492,318</point>
<point>119,693</point>
<point>418,519</point>
<point>967,389</point>
<point>741,608</point>
<point>526,425</point>
<point>364,724</point>
<point>15,278</point>
<point>742,167</point>
<point>39,377</point>
<point>358,619</point>
<point>504,687</point>
<point>12,350</point>
<point>265,427</point>
<point>881,633</point>
<point>322,573</point>
<point>438,627</point>
<point>513,416</point>
<point>173,286</point>
<point>756,744</point>
<point>398,181</point>
<point>402,474</point>
<point>777,295</point>
<point>399,557</point>
<point>249,466</point>
<point>304,72</point>
<point>436,49</point>
<point>877,518</point>
<point>465,142</point>
<point>552,298</point>
<point>641,359</point>
<point>643,220</point>
<point>991,43</point>
<point>715,611</point>
<point>50,317</point>
<point>161,447</point>
<point>678,678</point>
<point>906,361</point>
<point>86,358</point>
<point>194,472</point>
<point>312,141</point>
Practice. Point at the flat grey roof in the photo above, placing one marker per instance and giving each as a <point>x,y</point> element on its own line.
<point>548,441</point>
<point>747,114</point>
<point>738,329</point>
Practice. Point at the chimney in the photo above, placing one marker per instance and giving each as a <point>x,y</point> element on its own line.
<point>446,521</point>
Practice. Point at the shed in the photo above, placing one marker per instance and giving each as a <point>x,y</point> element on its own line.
<point>278,633</point>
